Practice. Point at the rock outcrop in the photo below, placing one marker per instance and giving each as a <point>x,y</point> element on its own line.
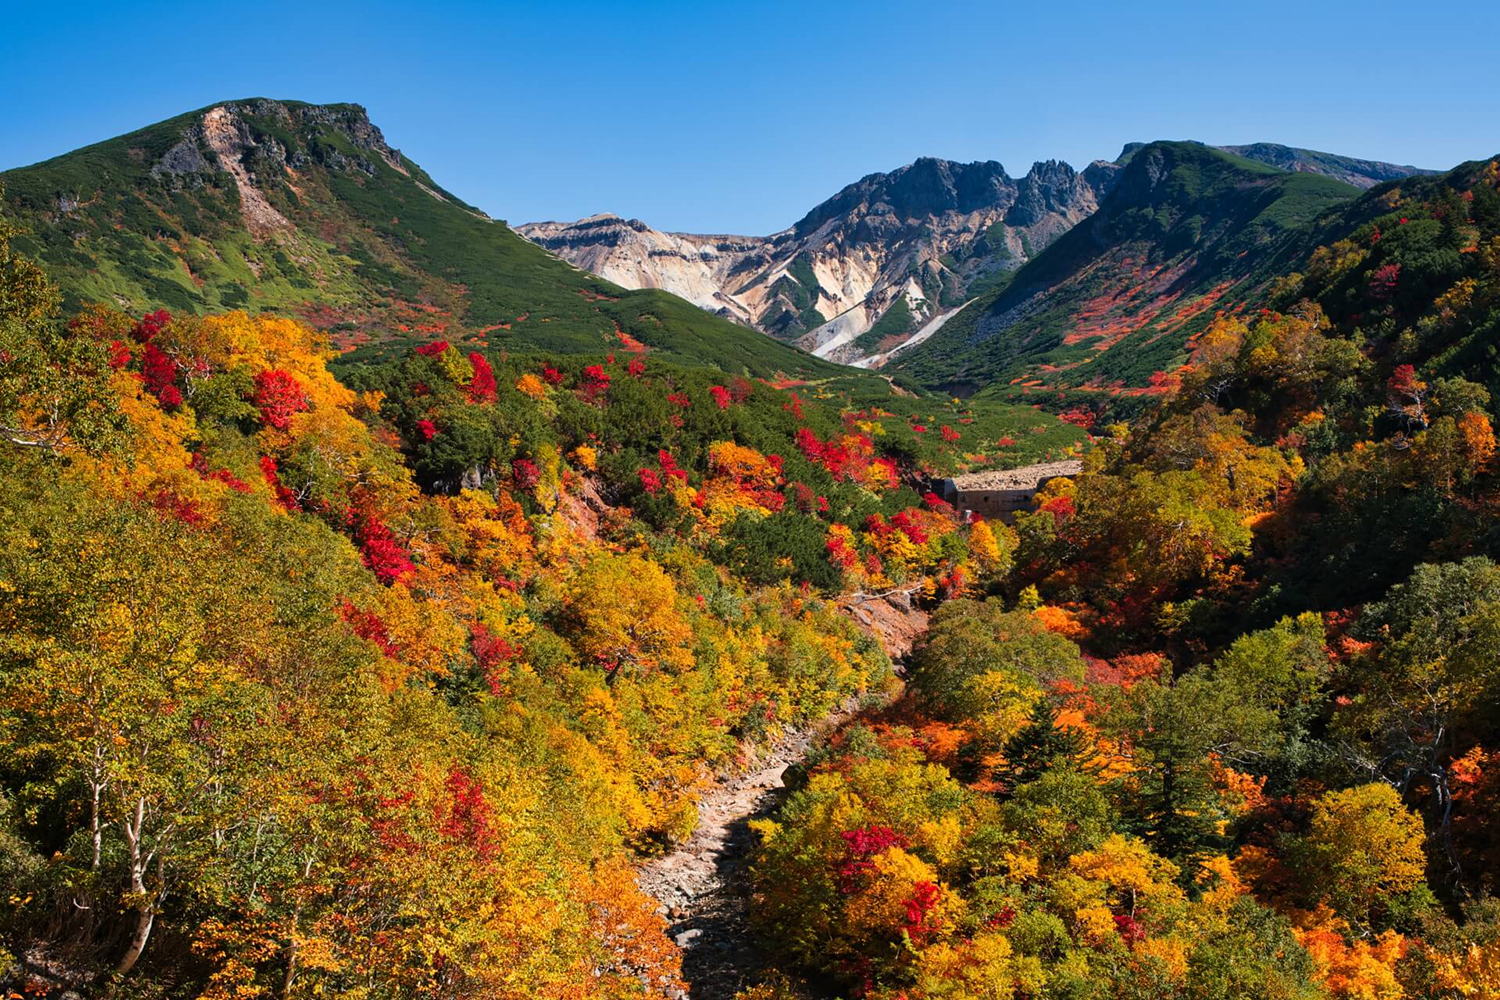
<point>864,271</point>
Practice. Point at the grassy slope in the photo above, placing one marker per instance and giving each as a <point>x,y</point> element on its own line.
<point>370,257</point>
<point>1117,297</point>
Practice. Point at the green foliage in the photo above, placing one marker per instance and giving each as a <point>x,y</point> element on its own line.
<point>969,643</point>
<point>895,321</point>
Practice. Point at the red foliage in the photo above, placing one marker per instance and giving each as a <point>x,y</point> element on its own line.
<point>524,473</point>
<point>178,507</point>
<point>284,495</point>
<point>1404,380</point>
<point>1079,416</point>
<point>159,372</point>
<point>924,896</point>
<point>199,464</point>
<point>840,554</point>
<point>119,354</point>
<point>937,503</point>
<point>551,375</point>
<point>386,557</point>
<point>650,481</point>
<point>918,429</point>
<point>1131,931</point>
<point>636,368</point>
<point>808,442</point>
<point>720,395</point>
<point>949,434</point>
<point>742,390</point>
<point>860,845</point>
<point>482,385</point>
<point>469,818</point>
<point>1062,509</point>
<point>953,584</point>
<point>908,526</point>
<point>427,429</point>
<point>771,500</point>
<point>492,653</point>
<point>150,325</point>
<point>433,349</point>
<point>679,399</point>
<point>1383,280</point>
<point>369,626</point>
<point>278,395</point>
<point>595,382</point>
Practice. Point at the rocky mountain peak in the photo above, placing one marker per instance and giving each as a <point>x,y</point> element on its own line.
<point>247,131</point>
<point>926,187</point>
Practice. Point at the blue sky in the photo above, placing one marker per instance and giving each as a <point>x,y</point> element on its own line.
<point>740,117</point>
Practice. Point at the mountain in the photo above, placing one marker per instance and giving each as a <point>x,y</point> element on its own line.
<point>864,270</point>
<point>1360,173</point>
<point>306,210</point>
<point>1118,297</point>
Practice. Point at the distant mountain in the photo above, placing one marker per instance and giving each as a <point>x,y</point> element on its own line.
<point>882,265</point>
<point>1116,299</point>
<point>865,270</point>
<point>1360,173</point>
<point>306,210</point>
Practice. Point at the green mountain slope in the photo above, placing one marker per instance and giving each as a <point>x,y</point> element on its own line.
<point>1118,297</point>
<point>306,210</point>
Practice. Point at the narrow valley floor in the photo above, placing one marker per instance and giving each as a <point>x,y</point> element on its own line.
<point>703,885</point>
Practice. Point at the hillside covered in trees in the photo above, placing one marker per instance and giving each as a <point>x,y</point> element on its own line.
<point>375,687</point>
<point>1229,726</point>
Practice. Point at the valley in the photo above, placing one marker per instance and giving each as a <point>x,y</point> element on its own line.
<point>1079,586</point>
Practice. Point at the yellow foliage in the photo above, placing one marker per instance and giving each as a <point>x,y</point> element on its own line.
<point>1473,972</point>
<point>878,911</point>
<point>530,385</point>
<point>1134,877</point>
<point>978,969</point>
<point>586,457</point>
<point>626,612</point>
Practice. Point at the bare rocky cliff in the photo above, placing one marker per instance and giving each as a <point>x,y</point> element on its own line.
<point>865,271</point>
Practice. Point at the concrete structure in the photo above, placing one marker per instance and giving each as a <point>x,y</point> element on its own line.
<point>1000,493</point>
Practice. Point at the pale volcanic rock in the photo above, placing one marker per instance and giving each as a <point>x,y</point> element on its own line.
<point>922,233</point>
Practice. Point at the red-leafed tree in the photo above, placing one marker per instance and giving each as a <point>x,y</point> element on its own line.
<point>482,385</point>
<point>278,395</point>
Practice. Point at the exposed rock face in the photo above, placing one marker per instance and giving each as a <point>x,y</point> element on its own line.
<point>632,254</point>
<point>224,141</point>
<point>863,276</point>
<point>229,139</point>
<point>919,236</point>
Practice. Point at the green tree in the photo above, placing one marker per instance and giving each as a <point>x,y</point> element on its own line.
<point>54,383</point>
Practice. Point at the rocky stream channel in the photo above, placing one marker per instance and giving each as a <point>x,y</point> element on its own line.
<point>703,885</point>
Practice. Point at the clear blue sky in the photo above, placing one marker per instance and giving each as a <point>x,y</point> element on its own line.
<point>740,117</point>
